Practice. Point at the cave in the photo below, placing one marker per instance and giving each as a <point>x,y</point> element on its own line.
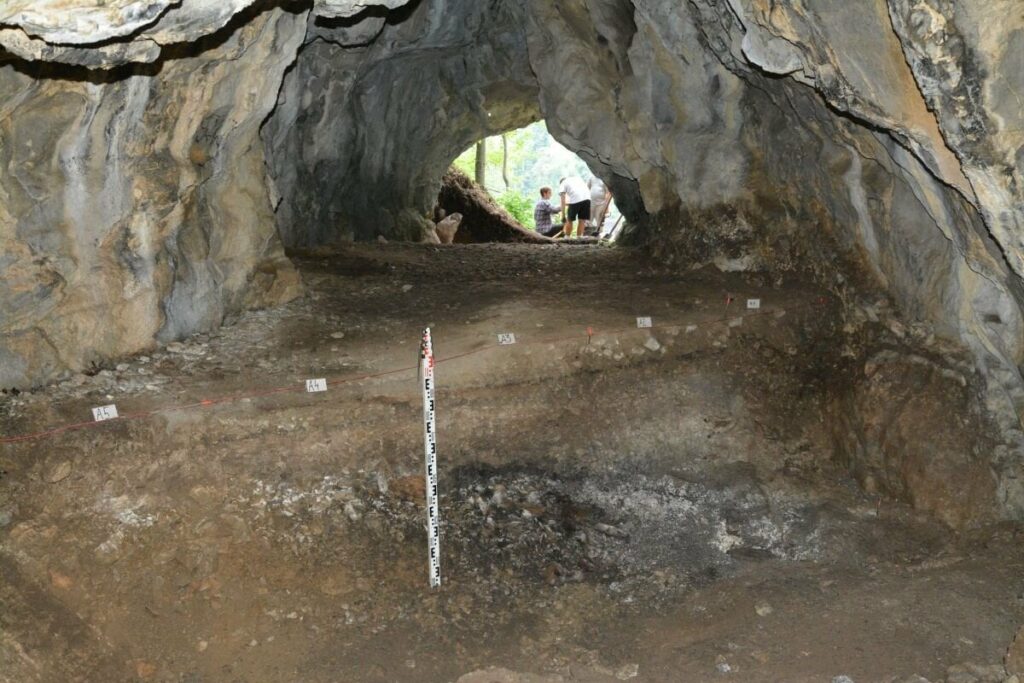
<point>772,433</point>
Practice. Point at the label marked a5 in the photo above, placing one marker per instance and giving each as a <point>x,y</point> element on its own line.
<point>506,339</point>
<point>644,322</point>
<point>102,413</point>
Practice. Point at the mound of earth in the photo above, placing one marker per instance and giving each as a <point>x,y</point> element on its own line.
<point>483,220</point>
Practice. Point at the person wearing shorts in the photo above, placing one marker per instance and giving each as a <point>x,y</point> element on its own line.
<point>576,203</point>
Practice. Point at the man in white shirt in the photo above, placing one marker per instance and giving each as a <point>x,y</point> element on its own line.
<point>575,203</point>
<point>600,200</point>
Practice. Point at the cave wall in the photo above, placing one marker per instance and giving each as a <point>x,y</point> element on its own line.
<point>133,205</point>
<point>804,131</point>
<point>376,109</point>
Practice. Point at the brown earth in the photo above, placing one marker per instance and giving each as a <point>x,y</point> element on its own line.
<point>483,219</point>
<point>632,504</point>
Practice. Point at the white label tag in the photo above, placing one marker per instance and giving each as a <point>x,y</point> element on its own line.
<point>644,323</point>
<point>104,413</point>
<point>753,304</point>
<point>506,339</point>
<point>315,385</point>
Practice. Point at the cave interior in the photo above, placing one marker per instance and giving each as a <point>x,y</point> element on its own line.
<point>773,432</point>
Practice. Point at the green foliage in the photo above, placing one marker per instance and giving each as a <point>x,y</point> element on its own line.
<point>466,162</point>
<point>535,160</point>
<point>519,205</point>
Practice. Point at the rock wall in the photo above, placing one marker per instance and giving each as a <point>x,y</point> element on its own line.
<point>134,206</point>
<point>376,110</point>
<point>808,133</point>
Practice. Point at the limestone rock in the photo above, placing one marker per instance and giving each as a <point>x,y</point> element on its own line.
<point>135,210</point>
<point>915,433</point>
<point>447,228</point>
<point>1015,655</point>
<point>361,138</point>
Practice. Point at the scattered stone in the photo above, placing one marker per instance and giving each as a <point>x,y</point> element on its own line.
<point>351,512</point>
<point>609,530</point>
<point>652,344</point>
<point>60,472</point>
<point>406,288</point>
<point>497,675</point>
<point>144,670</point>
<point>842,679</point>
<point>975,673</point>
<point>60,581</point>
<point>202,645</point>
<point>447,228</point>
<point>627,672</point>
<point>337,335</point>
<point>763,609</point>
<point>411,488</point>
<point>1015,655</point>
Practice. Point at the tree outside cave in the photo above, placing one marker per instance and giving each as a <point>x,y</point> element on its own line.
<point>519,163</point>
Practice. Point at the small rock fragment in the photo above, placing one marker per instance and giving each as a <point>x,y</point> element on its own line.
<point>144,669</point>
<point>60,580</point>
<point>1015,655</point>
<point>627,672</point>
<point>59,473</point>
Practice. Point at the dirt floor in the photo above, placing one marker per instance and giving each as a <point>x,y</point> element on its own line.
<point>618,503</point>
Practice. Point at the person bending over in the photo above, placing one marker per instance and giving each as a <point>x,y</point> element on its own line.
<point>576,203</point>
<point>543,210</point>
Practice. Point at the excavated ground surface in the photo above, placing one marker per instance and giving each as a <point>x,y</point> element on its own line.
<point>655,505</point>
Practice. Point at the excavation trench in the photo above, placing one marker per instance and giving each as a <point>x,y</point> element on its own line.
<point>616,502</point>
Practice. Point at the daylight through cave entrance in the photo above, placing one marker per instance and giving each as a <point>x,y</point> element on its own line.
<point>521,172</point>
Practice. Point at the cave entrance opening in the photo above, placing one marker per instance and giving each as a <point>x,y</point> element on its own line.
<point>511,168</point>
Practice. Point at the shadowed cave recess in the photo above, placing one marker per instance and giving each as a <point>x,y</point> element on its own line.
<point>158,158</point>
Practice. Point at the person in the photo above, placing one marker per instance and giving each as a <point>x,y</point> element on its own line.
<point>575,203</point>
<point>543,210</point>
<point>600,200</point>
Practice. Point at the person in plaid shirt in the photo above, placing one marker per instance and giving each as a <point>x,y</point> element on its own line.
<point>542,213</point>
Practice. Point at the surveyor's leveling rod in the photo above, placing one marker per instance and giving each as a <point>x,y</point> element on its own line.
<point>430,459</point>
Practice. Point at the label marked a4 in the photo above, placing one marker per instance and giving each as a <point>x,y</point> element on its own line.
<point>506,339</point>
<point>102,413</point>
<point>316,385</point>
<point>644,322</point>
